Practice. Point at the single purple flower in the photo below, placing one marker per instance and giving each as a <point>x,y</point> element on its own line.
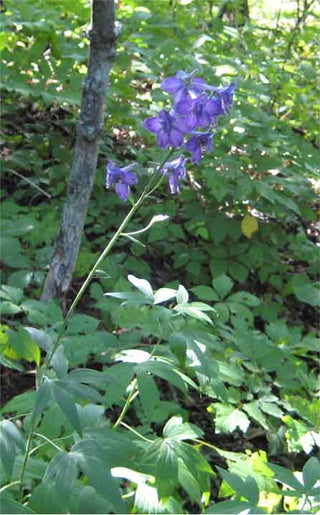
<point>123,178</point>
<point>198,142</point>
<point>225,95</point>
<point>200,113</point>
<point>167,128</point>
<point>175,171</point>
<point>184,86</point>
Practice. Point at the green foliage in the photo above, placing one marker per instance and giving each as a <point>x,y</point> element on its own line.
<point>187,381</point>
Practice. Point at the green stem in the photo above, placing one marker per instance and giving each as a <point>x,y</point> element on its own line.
<point>26,456</point>
<point>125,408</point>
<point>145,194</point>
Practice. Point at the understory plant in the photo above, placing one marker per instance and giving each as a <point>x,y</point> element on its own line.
<point>109,428</point>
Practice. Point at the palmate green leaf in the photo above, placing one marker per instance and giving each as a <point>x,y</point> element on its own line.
<point>178,430</point>
<point>67,405</point>
<point>228,418</point>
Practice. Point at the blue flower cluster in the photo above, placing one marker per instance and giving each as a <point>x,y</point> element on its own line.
<point>196,108</point>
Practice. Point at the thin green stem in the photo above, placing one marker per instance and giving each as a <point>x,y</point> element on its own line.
<point>49,441</point>
<point>136,432</point>
<point>145,194</point>
<point>26,456</point>
<point>132,395</point>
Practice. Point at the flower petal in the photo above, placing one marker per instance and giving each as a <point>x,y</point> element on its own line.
<point>176,137</point>
<point>171,84</point>
<point>163,139</point>
<point>129,178</point>
<point>174,183</point>
<point>122,190</point>
<point>153,124</point>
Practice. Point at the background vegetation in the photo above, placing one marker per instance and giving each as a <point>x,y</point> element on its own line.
<point>201,398</point>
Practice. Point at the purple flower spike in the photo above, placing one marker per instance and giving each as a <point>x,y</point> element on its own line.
<point>167,129</point>
<point>123,178</point>
<point>176,171</point>
<point>198,142</point>
<point>184,86</point>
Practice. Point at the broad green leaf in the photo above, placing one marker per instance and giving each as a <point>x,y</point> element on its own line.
<point>21,346</point>
<point>205,293</point>
<point>305,291</point>
<point>249,225</point>
<point>223,285</point>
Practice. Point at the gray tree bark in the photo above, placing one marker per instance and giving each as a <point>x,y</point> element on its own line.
<point>90,125</point>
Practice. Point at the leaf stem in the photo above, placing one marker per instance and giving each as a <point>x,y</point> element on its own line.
<point>132,395</point>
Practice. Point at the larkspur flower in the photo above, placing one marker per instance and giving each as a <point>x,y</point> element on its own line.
<point>123,178</point>
<point>184,87</point>
<point>224,95</point>
<point>198,142</point>
<point>175,170</point>
<point>167,128</point>
<point>202,112</point>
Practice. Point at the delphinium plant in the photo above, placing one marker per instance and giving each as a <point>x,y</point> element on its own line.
<point>186,130</point>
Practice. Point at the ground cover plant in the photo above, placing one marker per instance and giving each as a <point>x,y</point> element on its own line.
<point>180,373</point>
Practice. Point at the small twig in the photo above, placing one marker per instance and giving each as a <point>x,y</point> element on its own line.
<point>29,182</point>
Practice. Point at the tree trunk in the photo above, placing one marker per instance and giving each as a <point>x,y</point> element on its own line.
<point>90,126</point>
